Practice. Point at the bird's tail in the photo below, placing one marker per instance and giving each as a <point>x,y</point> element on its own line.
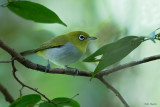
<point>28,52</point>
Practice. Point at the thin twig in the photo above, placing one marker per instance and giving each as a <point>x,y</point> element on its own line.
<point>6,94</point>
<point>24,85</point>
<point>133,63</point>
<point>5,61</point>
<point>20,91</point>
<point>114,90</point>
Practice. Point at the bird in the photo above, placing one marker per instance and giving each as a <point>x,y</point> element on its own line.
<point>63,50</point>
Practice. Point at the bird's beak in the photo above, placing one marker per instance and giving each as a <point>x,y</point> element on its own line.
<point>91,38</point>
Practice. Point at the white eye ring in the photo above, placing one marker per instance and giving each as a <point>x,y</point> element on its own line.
<point>81,37</point>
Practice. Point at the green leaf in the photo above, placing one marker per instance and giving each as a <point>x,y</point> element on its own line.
<point>114,52</point>
<point>34,11</point>
<point>26,101</point>
<point>46,104</point>
<point>61,102</point>
<point>158,35</point>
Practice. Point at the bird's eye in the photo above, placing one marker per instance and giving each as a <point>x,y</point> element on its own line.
<point>81,37</point>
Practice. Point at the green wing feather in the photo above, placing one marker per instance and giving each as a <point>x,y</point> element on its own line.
<point>53,43</point>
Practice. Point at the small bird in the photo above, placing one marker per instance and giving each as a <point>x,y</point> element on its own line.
<point>64,49</point>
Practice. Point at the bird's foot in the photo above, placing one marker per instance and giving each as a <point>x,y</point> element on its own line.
<point>76,71</point>
<point>47,67</point>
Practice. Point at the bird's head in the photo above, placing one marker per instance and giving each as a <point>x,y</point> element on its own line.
<point>79,39</point>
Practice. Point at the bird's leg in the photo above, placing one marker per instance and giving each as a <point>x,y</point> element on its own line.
<point>47,67</point>
<point>74,69</point>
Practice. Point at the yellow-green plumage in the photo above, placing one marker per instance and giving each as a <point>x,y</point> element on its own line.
<point>64,49</point>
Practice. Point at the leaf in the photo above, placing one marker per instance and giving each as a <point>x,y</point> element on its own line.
<point>34,11</point>
<point>46,104</point>
<point>114,52</point>
<point>26,101</point>
<point>61,102</point>
<point>158,35</point>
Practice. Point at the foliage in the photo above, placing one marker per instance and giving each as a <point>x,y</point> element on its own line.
<point>32,99</point>
<point>28,100</point>
<point>114,52</point>
<point>34,11</point>
<point>62,102</point>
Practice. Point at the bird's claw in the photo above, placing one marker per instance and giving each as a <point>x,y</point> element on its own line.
<point>47,67</point>
<point>76,71</point>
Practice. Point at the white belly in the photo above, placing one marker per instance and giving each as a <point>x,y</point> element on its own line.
<point>64,55</point>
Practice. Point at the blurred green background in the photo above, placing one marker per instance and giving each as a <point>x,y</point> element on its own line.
<point>108,20</point>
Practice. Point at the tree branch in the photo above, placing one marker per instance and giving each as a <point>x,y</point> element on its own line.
<point>42,68</point>
<point>99,75</point>
<point>24,85</point>
<point>38,67</point>
<point>133,63</point>
<point>6,94</point>
<point>114,90</point>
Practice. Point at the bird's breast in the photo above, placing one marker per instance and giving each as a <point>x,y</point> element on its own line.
<point>64,55</point>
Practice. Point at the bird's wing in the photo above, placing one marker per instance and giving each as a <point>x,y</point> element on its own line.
<point>56,42</point>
